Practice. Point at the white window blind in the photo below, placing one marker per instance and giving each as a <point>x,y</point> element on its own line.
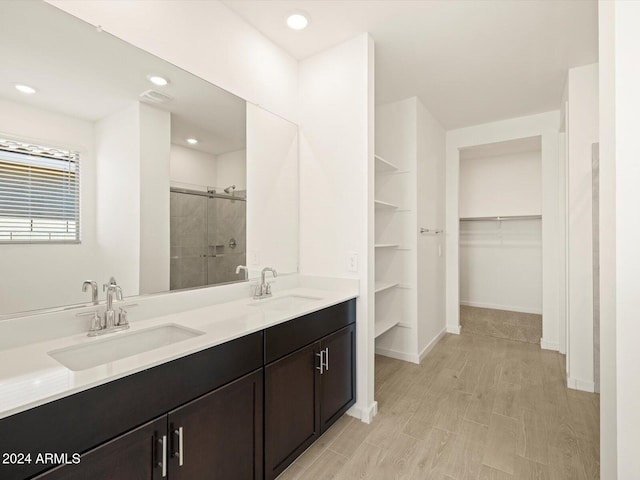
<point>39,194</point>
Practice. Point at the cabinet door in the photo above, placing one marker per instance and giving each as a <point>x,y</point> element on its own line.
<point>292,415</point>
<point>136,455</point>
<point>219,435</point>
<point>337,382</point>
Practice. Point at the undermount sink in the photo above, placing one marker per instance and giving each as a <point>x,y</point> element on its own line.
<point>121,345</point>
<point>288,302</point>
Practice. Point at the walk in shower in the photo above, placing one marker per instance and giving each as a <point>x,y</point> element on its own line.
<point>208,236</point>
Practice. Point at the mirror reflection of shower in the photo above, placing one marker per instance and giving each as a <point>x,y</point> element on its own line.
<point>208,235</point>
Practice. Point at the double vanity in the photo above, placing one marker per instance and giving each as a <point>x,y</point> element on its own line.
<point>235,390</point>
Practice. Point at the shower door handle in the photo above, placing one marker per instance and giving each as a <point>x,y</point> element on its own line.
<point>208,256</point>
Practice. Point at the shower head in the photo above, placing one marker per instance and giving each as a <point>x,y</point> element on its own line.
<point>230,189</point>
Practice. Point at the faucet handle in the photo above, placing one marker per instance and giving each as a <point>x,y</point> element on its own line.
<point>96,322</point>
<point>122,317</point>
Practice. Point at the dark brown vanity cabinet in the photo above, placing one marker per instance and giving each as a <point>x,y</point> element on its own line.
<point>242,410</point>
<point>337,382</point>
<point>309,388</point>
<point>215,395</point>
<point>219,435</point>
<point>216,436</point>
<point>134,455</point>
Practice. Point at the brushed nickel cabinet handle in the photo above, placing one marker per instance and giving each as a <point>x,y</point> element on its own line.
<point>180,433</point>
<point>321,355</point>
<point>164,456</point>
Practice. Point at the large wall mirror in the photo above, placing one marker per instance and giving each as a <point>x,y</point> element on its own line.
<point>115,163</point>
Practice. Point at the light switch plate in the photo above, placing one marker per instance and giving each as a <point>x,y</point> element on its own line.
<point>352,262</point>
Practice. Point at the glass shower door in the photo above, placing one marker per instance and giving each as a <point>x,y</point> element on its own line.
<point>188,230</point>
<point>227,234</point>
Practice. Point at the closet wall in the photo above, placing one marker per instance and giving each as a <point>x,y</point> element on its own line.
<point>501,260</point>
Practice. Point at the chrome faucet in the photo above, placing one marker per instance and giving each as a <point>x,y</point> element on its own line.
<point>264,289</point>
<point>110,321</point>
<point>110,314</point>
<point>94,290</point>
<point>243,268</point>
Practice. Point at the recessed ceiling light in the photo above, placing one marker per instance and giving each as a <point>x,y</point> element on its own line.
<point>156,80</point>
<point>297,21</point>
<point>25,89</point>
<point>192,141</point>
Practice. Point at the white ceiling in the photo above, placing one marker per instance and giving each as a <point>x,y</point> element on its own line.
<point>89,75</point>
<point>470,62</point>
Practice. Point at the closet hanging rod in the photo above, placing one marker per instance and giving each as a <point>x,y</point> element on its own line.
<point>211,194</point>
<point>428,230</point>
<point>506,217</point>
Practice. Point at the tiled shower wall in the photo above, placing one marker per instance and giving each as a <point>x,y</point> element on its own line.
<point>202,250</point>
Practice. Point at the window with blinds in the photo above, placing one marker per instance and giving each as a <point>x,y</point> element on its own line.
<point>39,194</point>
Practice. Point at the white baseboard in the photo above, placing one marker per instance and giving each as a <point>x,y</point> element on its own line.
<point>364,414</point>
<point>455,329</point>
<point>549,345</point>
<point>407,357</point>
<point>431,344</point>
<point>509,308</point>
<point>577,384</point>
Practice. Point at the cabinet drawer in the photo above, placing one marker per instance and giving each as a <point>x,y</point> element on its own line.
<point>79,422</point>
<point>280,340</point>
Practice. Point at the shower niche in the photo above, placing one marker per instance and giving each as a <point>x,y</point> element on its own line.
<point>208,236</point>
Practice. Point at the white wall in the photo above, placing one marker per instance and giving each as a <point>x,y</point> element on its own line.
<point>195,169</point>
<point>117,140</point>
<point>192,167</point>
<point>337,182</point>
<point>582,132</point>
<point>608,296</point>
<point>229,52</point>
<point>155,148</point>
<point>619,239</point>
<point>431,214</point>
<point>56,272</point>
<point>501,186</point>
<point>501,262</point>
<point>273,198</point>
<point>501,265</point>
<point>231,169</point>
<point>545,125</point>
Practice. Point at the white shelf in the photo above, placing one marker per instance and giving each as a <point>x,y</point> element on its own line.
<point>380,205</point>
<point>383,326</point>
<point>387,245</point>
<point>382,286</point>
<point>383,165</point>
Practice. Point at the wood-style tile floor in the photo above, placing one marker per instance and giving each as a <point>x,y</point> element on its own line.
<point>476,408</point>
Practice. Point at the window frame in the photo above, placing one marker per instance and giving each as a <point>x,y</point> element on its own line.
<point>71,151</point>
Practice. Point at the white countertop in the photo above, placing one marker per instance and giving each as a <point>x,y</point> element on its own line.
<point>30,377</point>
